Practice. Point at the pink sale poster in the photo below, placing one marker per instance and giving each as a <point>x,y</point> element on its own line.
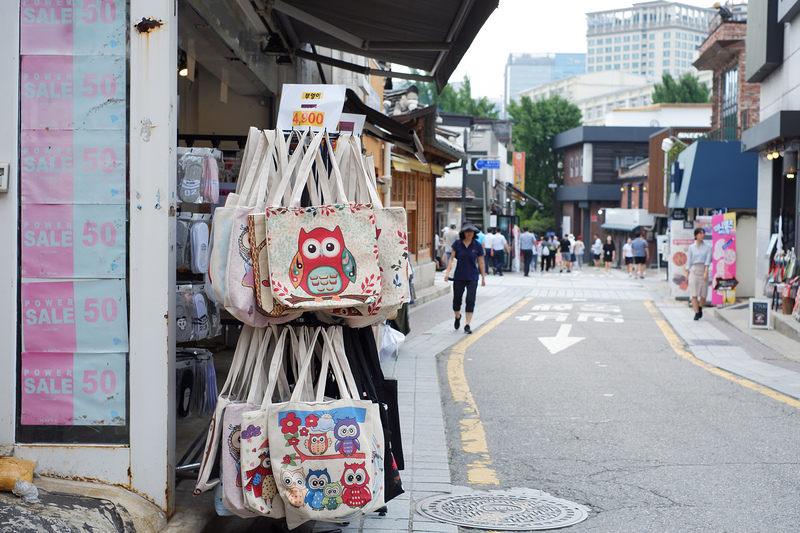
<point>73,389</point>
<point>47,93</point>
<point>64,167</point>
<point>73,241</point>
<point>74,316</point>
<point>79,27</point>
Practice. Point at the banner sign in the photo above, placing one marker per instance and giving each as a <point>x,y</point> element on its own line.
<point>78,389</point>
<point>519,170</point>
<point>723,257</point>
<point>80,167</point>
<point>77,27</point>
<point>74,316</point>
<point>310,106</point>
<point>73,92</point>
<point>680,238</point>
<point>73,241</point>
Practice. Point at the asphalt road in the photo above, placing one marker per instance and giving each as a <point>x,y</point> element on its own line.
<point>621,423</point>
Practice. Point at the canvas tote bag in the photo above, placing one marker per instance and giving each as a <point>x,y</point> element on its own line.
<point>329,452</point>
<point>325,256</point>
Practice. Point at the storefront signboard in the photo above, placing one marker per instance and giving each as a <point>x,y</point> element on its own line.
<point>680,238</point>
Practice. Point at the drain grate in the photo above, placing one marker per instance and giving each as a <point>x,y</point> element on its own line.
<point>710,342</point>
<point>515,510</point>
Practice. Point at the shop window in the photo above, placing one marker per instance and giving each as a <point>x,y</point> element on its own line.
<point>730,104</point>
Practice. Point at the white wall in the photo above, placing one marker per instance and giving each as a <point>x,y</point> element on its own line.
<point>683,115</point>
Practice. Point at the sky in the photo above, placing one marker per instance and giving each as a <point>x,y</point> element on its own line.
<point>530,26</point>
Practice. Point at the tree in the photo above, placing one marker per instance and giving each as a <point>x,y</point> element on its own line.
<point>454,101</point>
<point>687,90</point>
<point>536,123</point>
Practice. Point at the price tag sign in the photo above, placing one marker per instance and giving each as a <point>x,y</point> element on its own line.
<point>81,167</point>
<point>73,92</point>
<point>311,106</point>
<point>77,27</point>
<point>74,316</point>
<point>73,389</point>
<point>73,241</point>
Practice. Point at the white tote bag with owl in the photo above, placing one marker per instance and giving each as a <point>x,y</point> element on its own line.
<point>323,256</point>
<point>327,455</point>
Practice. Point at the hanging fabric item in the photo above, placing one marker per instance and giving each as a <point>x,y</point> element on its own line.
<point>324,256</point>
<point>330,452</point>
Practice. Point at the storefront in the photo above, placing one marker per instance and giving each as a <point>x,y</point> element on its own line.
<point>88,152</point>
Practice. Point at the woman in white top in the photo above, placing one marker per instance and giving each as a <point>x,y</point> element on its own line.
<point>699,259</point>
<point>627,253</point>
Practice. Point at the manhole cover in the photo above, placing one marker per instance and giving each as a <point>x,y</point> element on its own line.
<point>505,511</point>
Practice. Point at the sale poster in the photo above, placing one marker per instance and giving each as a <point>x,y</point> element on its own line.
<point>723,257</point>
<point>73,241</point>
<point>310,107</point>
<point>79,389</point>
<point>74,316</point>
<point>81,167</point>
<point>73,92</point>
<point>77,27</point>
<point>680,238</point>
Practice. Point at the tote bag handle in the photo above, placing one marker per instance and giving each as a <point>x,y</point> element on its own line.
<point>245,337</point>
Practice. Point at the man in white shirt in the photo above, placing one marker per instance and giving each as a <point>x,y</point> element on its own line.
<point>450,236</point>
<point>499,248</point>
<point>597,249</point>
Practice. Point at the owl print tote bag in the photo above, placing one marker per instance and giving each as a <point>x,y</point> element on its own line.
<point>327,455</point>
<point>323,256</point>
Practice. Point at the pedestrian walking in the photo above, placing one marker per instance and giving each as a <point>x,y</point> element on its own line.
<point>468,253</point>
<point>450,236</point>
<point>641,254</point>
<point>597,250</point>
<point>548,259</point>
<point>609,252</point>
<point>526,244</point>
<point>537,253</point>
<point>627,253</point>
<point>699,259</point>
<point>499,249</point>
<point>580,249</point>
<point>566,254</point>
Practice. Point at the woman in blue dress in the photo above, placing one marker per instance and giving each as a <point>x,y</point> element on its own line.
<point>468,253</point>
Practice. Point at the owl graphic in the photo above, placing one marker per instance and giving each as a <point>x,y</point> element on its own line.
<point>294,483</point>
<point>260,480</point>
<point>346,432</point>
<point>332,496</point>
<point>234,441</point>
<point>316,480</point>
<point>322,265</point>
<point>355,478</point>
<point>317,443</point>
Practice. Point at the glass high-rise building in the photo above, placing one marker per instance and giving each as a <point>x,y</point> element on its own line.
<point>524,71</point>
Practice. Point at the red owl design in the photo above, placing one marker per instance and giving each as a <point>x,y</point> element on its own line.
<point>356,494</point>
<point>318,443</point>
<point>322,265</point>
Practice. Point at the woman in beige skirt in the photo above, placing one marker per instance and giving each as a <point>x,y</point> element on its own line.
<point>698,262</point>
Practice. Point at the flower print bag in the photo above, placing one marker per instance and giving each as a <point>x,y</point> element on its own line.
<point>327,454</point>
<point>323,256</point>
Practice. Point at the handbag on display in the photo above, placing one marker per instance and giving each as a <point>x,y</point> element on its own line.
<point>328,453</point>
<point>391,233</point>
<point>210,458</point>
<point>323,256</point>
<point>223,218</point>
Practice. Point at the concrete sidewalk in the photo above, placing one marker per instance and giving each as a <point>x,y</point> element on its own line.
<point>721,338</point>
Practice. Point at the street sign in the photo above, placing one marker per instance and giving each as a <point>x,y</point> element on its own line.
<point>486,164</point>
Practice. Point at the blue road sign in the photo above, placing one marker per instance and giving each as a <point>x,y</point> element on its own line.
<point>487,164</point>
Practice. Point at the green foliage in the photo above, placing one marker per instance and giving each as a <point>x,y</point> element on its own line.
<point>536,123</point>
<point>539,224</point>
<point>687,90</point>
<point>454,101</point>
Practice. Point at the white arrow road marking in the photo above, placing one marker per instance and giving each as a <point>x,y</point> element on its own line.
<point>561,341</point>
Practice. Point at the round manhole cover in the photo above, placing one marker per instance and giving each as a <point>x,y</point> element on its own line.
<point>504,511</point>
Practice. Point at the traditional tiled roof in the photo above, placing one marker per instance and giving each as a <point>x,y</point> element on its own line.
<point>453,193</point>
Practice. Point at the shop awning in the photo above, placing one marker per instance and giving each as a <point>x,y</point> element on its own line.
<point>406,164</point>
<point>619,226</point>
<point>717,174</point>
<point>419,34</point>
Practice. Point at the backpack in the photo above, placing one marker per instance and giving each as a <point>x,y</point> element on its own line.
<point>545,251</point>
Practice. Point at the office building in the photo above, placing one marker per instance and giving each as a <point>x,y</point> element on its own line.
<point>524,71</point>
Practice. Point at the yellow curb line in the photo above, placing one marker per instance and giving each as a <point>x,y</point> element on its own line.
<point>473,437</point>
<point>679,347</point>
